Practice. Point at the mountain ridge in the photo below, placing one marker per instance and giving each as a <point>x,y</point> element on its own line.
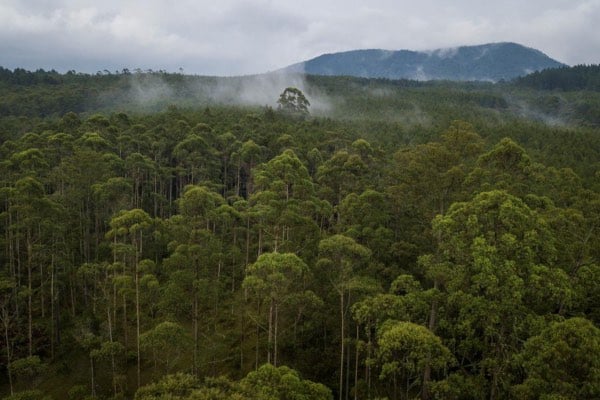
<point>486,62</point>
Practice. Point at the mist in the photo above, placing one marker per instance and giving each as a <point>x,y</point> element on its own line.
<point>152,91</point>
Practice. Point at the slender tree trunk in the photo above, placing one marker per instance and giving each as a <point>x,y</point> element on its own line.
<point>5,322</point>
<point>125,336</point>
<point>368,366</point>
<point>347,370</point>
<point>257,338</point>
<point>237,181</point>
<point>425,395</point>
<point>342,333</point>
<point>112,355</point>
<point>29,295</point>
<point>195,318</point>
<point>52,325</point>
<point>356,364</point>
<point>247,244</point>
<point>137,309</point>
<point>42,299</point>
<point>137,319</point>
<point>72,292</point>
<point>270,334</point>
<point>92,376</point>
<point>275,335</point>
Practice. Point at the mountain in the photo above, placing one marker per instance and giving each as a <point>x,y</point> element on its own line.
<point>487,62</point>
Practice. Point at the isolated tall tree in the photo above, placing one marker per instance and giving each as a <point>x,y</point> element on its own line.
<point>293,102</point>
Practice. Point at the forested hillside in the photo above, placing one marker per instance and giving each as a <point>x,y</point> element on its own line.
<point>404,240</point>
<point>486,62</point>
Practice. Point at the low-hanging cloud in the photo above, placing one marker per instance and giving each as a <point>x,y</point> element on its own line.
<point>155,90</point>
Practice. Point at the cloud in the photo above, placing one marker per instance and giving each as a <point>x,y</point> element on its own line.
<point>233,37</point>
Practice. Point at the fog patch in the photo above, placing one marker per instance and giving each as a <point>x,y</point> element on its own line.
<point>444,53</point>
<point>153,91</point>
<point>420,75</point>
<point>380,92</point>
<point>523,109</point>
<point>264,90</point>
<point>149,89</point>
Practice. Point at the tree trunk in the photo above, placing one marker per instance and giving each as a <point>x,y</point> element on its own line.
<point>5,321</point>
<point>356,364</point>
<point>137,310</point>
<point>425,395</point>
<point>275,335</point>
<point>195,321</point>
<point>52,325</point>
<point>270,334</point>
<point>92,376</point>
<point>137,319</point>
<point>342,321</point>
<point>29,295</point>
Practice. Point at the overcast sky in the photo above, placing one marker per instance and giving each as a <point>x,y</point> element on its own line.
<point>232,37</point>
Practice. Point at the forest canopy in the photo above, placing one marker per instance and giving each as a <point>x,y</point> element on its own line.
<point>402,240</point>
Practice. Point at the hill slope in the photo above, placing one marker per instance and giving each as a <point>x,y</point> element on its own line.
<point>488,62</point>
<point>579,77</point>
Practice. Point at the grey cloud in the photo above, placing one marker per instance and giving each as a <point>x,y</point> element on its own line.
<point>233,37</point>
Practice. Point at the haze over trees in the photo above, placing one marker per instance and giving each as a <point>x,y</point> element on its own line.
<point>421,240</point>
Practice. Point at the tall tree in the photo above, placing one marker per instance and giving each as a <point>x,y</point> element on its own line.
<point>340,259</point>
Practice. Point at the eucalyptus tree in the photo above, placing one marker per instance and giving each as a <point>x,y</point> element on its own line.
<point>168,342</point>
<point>562,361</point>
<point>404,351</point>
<point>425,180</point>
<point>340,260</point>
<point>196,249</point>
<point>498,256</point>
<point>128,230</point>
<point>285,202</point>
<point>34,215</point>
<point>293,102</point>
<point>274,279</point>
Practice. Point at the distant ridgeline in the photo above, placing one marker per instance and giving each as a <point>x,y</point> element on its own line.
<point>580,77</point>
<point>488,62</point>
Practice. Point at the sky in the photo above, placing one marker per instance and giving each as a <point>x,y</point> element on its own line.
<point>240,37</point>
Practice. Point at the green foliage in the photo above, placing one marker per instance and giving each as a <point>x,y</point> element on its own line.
<point>406,349</point>
<point>266,383</point>
<point>219,237</point>
<point>28,395</point>
<point>177,386</point>
<point>167,342</point>
<point>27,369</point>
<point>293,102</point>
<point>271,383</point>
<point>563,361</point>
<point>579,77</point>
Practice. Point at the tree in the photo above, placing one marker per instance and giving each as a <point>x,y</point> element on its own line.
<point>27,369</point>
<point>562,362</point>
<point>285,202</point>
<point>339,258</point>
<point>405,350</point>
<point>131,225</point>
<point>497,255</point>
<point>293,102</point>
<point>272,278</point>
<point>280,383</point>
<point>167,342</point>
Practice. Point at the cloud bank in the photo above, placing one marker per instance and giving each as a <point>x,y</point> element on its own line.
<point>234,37</point>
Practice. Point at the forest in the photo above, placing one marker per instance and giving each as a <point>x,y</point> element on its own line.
<point>169,236</point>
